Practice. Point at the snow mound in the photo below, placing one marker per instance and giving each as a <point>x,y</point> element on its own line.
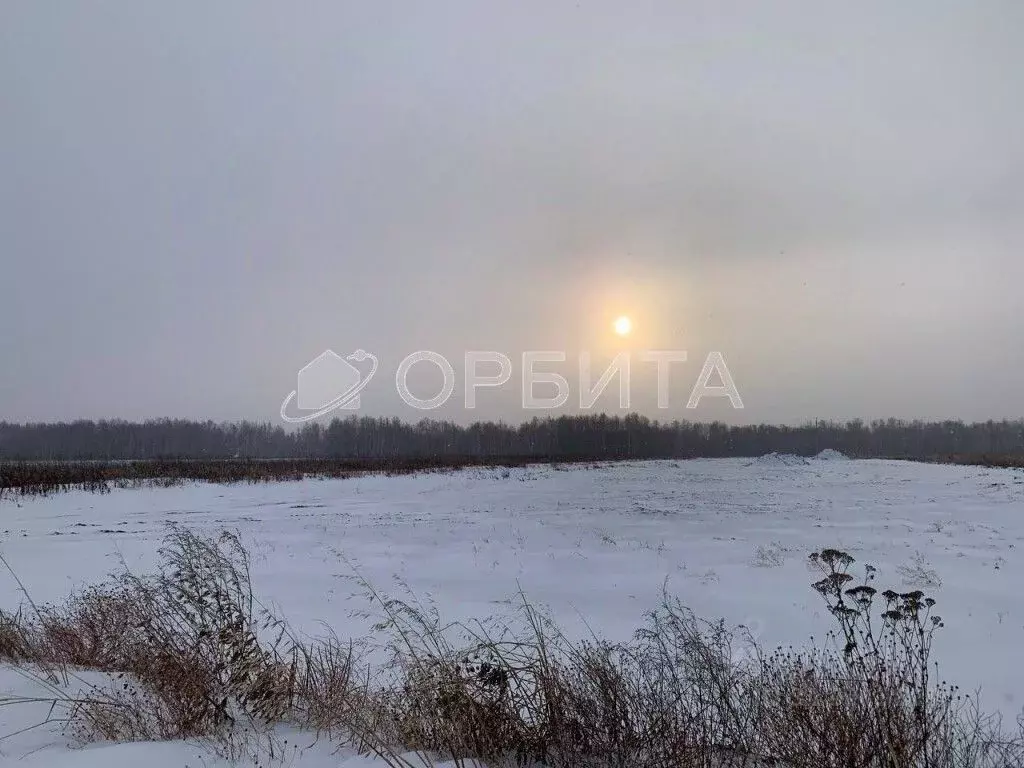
<point>774,459</point>
<point>830,454</point>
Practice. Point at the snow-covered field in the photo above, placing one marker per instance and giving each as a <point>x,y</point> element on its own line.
<point>594,545</point>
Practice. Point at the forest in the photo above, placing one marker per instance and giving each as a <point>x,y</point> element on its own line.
<point>583,436</point>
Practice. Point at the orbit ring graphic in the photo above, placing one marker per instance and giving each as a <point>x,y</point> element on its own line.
<point>340,401</point>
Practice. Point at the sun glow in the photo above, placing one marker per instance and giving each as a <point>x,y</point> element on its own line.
<point>623,325</point>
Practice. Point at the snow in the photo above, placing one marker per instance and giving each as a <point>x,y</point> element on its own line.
<point>46,747</point>
<point>779,460</point>
<point>831,454</point>
<point>594,545</point>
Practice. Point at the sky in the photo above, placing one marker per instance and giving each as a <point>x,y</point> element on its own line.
<point>198,199</point>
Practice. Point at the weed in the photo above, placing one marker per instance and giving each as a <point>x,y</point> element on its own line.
<point>189,653</point>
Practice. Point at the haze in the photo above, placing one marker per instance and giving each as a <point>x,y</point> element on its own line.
<point>196,199</point>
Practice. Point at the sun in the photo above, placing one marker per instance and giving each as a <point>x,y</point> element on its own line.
<point>623,325</point>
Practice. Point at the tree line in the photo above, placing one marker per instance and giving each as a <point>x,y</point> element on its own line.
<point>590,436</point>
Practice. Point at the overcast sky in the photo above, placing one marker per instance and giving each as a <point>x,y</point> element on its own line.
<point>198,198</point>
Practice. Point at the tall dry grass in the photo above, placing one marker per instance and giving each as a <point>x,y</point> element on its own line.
<point>189,652</point>
<point>42,478</point>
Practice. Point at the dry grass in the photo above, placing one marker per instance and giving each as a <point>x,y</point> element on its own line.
<point>919,573</point>
<point>42,478</point>
<point>771,556</point>
<point>189,653</point>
